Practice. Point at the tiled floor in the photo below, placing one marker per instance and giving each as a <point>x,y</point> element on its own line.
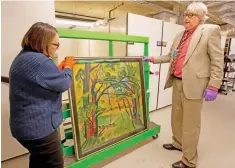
<point>216,147</point>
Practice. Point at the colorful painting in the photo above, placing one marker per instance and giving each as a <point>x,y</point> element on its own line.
<point>108,102</point>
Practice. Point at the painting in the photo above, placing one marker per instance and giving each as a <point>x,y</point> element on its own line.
<point>108,102</point>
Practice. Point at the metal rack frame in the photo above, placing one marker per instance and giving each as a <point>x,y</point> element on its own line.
<point>229,67</point>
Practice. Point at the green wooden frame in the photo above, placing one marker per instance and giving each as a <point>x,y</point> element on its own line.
<point>110,151</point>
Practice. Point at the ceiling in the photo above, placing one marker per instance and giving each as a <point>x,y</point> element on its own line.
<point>219,12</point>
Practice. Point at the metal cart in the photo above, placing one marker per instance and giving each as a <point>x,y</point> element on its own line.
<point>153,129</point>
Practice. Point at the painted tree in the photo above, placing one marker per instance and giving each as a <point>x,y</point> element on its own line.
<point>88,108</point>
<point>102,81</point>
<point>132,87</point>
<point>97,77</point>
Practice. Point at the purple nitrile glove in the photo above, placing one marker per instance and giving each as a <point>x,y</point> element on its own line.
<point>145,59</point>
<point>210,95</point>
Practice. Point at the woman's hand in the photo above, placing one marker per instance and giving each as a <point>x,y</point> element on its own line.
<point>61,65</point>
<point>69,62</point>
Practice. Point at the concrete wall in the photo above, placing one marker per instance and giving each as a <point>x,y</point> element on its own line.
<point>17,17</point>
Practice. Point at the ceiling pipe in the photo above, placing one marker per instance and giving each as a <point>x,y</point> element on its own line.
<point>110,11</point>
<point>213,4</point>
<point>74,18</point>
<point>77,16</point>
<point>150,4</point>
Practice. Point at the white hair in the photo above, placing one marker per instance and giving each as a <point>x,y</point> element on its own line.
<point>199,9</point>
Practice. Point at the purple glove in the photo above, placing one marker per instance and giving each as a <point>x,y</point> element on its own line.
<point>210,94</point>
<point>145,59</point>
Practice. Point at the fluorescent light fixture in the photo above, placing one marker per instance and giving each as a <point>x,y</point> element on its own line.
<point>74,22</point>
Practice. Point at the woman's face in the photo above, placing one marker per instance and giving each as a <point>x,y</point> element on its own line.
<point>53,46</point>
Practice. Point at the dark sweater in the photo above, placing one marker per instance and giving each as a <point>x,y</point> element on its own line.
<point>36,86</point>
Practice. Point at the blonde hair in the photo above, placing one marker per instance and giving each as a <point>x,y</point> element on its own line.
<point>38,37</point>
<point>199,9</point>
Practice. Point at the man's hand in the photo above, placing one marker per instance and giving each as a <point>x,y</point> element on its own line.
<point>69,62</point>
<point>147,59</point>
<point>210,95</point>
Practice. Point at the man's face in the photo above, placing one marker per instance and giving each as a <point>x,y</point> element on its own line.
<point>191,21</point>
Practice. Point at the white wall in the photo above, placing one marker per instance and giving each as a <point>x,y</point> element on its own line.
<point>17,17</point>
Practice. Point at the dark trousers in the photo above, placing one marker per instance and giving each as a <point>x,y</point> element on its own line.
<point>45,152</point>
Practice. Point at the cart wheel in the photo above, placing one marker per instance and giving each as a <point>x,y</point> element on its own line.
<point>155,136</point>
<point>233,90</point>
<point>225,93</point>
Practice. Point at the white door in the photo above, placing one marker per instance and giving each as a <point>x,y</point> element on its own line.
<point>232,46</point>
<point>152,28</point>
<point>170,30</point>
<point>223,40</point>
<point>14,26</point>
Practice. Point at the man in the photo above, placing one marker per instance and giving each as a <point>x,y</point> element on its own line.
<point>196,70</point>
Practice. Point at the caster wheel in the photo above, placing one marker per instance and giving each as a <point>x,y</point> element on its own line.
<point>225,93</point>
<point>155,136</point>
<point>63,141</point>
<point>233,90</point>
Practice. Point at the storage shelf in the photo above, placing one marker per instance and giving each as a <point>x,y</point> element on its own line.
<point>230,61</point>
<point>229,71</point>
<point>229,80</point>
<point>229,88</point>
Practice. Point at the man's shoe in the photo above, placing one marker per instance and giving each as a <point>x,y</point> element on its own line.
<point>179,164</point>
<point>170,147</point>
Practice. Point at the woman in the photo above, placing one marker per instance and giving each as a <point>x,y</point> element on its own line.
<point>36,86</point>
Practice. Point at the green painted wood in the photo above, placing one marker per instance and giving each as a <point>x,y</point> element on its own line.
<point>68,135</point>
<point>111,48</point>
<point>67,106</point>
<point>93,35</point>
<point>146,76</point>
<point>146,49</point>
<point>146,66</point>
<point>147,106</point>
<point>66,114</point>
<point>69,150</point>
<point>68,129</point>
<point>111,151</point>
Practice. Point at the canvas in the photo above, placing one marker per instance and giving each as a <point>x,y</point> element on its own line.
<point>108,102</point>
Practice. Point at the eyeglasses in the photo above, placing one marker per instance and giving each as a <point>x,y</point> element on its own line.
<point>57,45</point>
<point>190,15</point>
